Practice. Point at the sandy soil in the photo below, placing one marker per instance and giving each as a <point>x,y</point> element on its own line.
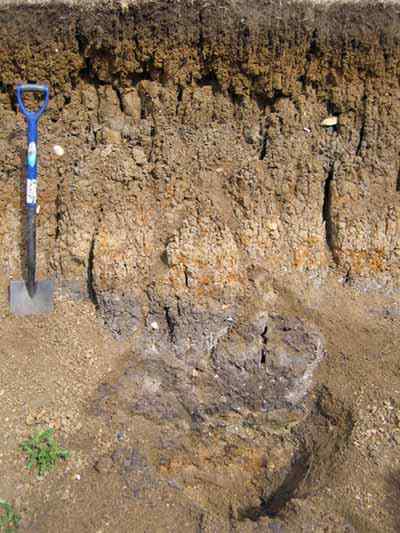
<point>128,473</point>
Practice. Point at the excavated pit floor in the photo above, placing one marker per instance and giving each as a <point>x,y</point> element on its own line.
<point>152,462</point>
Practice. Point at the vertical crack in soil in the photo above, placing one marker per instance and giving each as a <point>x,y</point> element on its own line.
<point>153,133</point>
<point>119,96</point>
<point>200,44</point>
<point>58,209</point>
<point>398,181</point>
<point>362,130</point>
<point>327,211</point>
<point>187,281</point>
<point>347,278</point>
<point>179,96</point>
<point>82,41</point>
<point>90,269</point>
<point>201,523</point>
<point>264,143</point>
<point>264,337</point>
<point>171,323</point>
<point>312,53</point>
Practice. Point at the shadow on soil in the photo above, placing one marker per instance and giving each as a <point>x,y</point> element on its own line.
<point>322,440</point>
<point>393,497</point>
<point>273,505</point>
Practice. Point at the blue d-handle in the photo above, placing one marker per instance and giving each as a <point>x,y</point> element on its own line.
<point>32,119</point>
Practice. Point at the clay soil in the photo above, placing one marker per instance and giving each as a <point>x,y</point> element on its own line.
<point>128,473</point>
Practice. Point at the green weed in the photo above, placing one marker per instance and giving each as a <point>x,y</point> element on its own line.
<point>43,452</point>
<point>9,519</point>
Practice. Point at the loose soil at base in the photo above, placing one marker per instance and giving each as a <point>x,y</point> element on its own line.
<point>52,372</point>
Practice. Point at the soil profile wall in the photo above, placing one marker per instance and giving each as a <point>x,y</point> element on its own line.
<point>196,164</point>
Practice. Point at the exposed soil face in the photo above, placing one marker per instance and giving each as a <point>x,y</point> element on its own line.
<point>195,130</point>
<point>229,181</point>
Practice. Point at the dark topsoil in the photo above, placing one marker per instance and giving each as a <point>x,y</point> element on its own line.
<point>235,43</point>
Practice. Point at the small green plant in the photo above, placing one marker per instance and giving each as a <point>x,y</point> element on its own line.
<point>43,451</point>
<point>9,519</point>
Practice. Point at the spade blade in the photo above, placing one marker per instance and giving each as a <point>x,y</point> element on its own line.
<point>22,304</point>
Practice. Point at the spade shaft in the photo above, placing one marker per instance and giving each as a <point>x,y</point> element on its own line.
<point>31,251</point>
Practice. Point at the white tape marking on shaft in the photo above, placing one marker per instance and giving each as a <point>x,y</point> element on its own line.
<point>31,191</point>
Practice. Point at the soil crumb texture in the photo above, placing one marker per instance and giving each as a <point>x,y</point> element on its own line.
<point>219,211</point>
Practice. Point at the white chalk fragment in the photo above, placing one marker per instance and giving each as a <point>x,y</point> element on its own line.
<point>307,130</point>
<point>330,121</point>
<point>154,325</point>
<point>58,150</point>
<point>37,209</point>
<point>139,156</point>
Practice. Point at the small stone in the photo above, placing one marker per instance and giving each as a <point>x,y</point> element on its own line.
<point>252,135</point>
<point>329,122</point>
<point>139,156</point>
<point>56,424</point>
<point>154,325</point>
<point>124,5</point>
<point>110,136</point>
<point>30,420</point>
<point>77,477</point>
<point>272,226</point>
<point>41,416</point>
<point>58,150</point>
<point>103,465</point>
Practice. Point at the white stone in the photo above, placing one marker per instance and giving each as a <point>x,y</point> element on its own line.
<point>330,121</point>
<point>58,150</point>
<point>139,156</point>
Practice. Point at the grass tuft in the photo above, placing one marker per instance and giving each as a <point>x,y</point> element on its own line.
<point>43,452</point>
<point>9,519</point>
